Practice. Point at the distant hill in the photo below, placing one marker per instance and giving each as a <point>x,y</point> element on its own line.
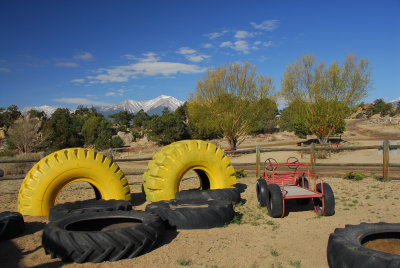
<point>154,106</point>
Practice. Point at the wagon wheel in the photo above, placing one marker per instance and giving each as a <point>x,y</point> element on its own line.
<point>325,206</point>
<point>269,163</point>
<point>292,160</point>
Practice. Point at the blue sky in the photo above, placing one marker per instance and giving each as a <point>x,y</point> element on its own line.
<point>66,53</point>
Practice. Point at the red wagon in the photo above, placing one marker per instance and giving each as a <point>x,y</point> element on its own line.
<point>290,180</point>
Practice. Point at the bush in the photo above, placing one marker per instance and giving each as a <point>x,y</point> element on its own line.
<point>240,174</point>
<point>116,142</point>
<point>353,176</point>
<point>121,129</point>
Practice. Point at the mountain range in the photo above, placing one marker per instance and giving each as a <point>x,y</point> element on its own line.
<point>154,106</point>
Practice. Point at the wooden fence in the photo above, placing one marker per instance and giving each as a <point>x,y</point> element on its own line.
<point>385,147</point>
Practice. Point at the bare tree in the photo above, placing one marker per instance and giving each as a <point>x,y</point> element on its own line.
<point>23,133</point>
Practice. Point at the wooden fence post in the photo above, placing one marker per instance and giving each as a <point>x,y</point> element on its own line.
<point>385,160</point>
<point>312,158</point>
<point>257,161</point>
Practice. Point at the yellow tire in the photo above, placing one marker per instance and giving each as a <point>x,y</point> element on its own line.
<point>43,183</point>
<point>169,165</point>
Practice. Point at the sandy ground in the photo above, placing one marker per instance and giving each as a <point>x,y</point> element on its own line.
<point>256,240</point>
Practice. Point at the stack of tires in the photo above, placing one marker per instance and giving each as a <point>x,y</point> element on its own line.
<point>109,230</point>
<point>100,230</point>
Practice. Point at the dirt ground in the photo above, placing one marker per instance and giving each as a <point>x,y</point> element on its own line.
<point>255,239</point>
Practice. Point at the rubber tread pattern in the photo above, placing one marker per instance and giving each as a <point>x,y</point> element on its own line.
<point>98,246</point>
<point>230,194</point>
<point>11,225</point>
<point>329,200</point>
<point>193,214</point>
<point>80,207</point>
<point>262,192</point>
<point>346,251</point>
<point>275,201</point>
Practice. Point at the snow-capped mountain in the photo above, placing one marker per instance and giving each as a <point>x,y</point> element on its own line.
<point>48,110</point>
<point>154,106</point>
<point>396,101</point>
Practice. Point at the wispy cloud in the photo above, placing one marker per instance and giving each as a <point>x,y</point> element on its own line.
<point>267,44</point>
<point>149,65</point>
<point>81,101</point>
<point>192,54</point>
<point>67,64</point>
<point>84,56</point>
<point>240,45</point>
<point>266,25</point>
<point>215,35</point>
<point>5,70</point>
<point>208,45</point>
<point>80,80</point>
<point>244,34</point>
<point>109,94</point>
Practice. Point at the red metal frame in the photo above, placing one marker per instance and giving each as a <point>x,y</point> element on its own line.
<point>289,178</point>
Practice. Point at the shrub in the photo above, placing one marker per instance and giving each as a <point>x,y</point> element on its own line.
<point>353,176</point>
<point>240,174</point>
<point>116,142</point>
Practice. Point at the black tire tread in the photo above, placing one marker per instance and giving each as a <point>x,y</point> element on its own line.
<point>11,225</point>
<point>275,197</point>
<point>262,192</point>
<point>345,249</point>
<point>193,214</point>
<point>329,199</point>
<point>81,207</point>
<point>99,246</point>
<point>227,194</point>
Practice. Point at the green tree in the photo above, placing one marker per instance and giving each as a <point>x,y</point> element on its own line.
<point>9,115</point>
<point>379,106</point>
<point>94,127</point>
<point>328,92</point>
<point>116,142</point>
<point>166,128</point>
<point>122,118</point>
<point>61,131</point>
<point>36,114</point>
<point>226,101</point>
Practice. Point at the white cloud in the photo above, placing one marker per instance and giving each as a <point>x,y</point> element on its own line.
<point>108,94</point>
<point>147,66</point>
<point>80,80</point>
<point>192,54</point>
<point>5,70</point>
<point>240,45</point>
<point>121,91</point>
<point>256,43</point>
<point>67,64</point>
<point>244,34</point>
<point>267,25</point>
<point>84,56</point>
<point>186,50</point>
<point>81,101</point>
<point>215,35</point>
<point>208,45</point>
<point>267,44</point>
<point>226,44</point>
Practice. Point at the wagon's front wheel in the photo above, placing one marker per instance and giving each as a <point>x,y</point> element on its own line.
<point>325,206</point>
<point>262,192</point>
<point>275,201</point>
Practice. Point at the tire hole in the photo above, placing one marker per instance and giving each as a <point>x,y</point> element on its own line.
<point>102,224</point>
<point>78,191</point>
<point>386,242</point>
<point>194,179</point>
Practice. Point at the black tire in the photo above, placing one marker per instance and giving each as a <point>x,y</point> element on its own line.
<point>345,246</point>
<point>262,192</point>
<point>193,214</point>
<point>11,225</point>
<point>329,200</point>
<point>275,201</point>
<point>303,201</point>
<point>102,236</point>
<point>1,173</point>
<point>80,207</point>
<point>229,194</point>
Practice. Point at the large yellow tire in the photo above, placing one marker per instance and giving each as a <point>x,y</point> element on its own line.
<point>43,183</point>
<point>169,165</point>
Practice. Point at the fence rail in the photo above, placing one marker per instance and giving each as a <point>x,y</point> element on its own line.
<point>385,147</point>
